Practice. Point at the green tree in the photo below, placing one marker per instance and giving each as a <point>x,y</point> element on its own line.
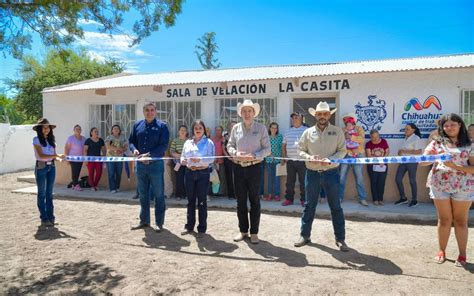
<point>56,69</point>
<point>57,22</point>
<point>206,51</point>
<point>9,113</point>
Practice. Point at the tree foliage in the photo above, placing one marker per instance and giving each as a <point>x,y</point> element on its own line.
<point>9,112</point>
<point>206,51</point>
<point>57,68</point>
<point>58,22</point>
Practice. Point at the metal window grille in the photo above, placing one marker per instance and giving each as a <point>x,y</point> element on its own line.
<point>178,113</point>
<point>226,108</point>
<point>467,106</point>
<point>106,115</point>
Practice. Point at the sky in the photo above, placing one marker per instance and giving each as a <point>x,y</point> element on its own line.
<point>264,32</point>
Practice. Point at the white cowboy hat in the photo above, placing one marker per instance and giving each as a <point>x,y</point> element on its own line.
<point>321,107</point>
<point>248,103</point>
<point>352,115</point>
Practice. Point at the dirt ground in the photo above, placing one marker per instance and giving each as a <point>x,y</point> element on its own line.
<point>93,251</point>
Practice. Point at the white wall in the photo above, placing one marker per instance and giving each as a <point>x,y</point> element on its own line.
<point>16,148</point>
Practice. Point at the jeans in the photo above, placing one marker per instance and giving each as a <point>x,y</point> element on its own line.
<point>229,176</point>
<point>294,168</point>
<point>359,178</point>
<point>45,183</point>
<point>151,174</point>
<point>180,190</point>
<point>247,182</point>
<point>377,183</point>
<point>75,172</point>
<point>197,183</point>
<point>273,179</point>
<point>95,172</point>
<point>114,170</point>
<point>314,181</point>
<point>401,171</point>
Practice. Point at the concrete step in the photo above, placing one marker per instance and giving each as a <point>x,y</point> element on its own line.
<point>423,213</point>
<point>27,179</point>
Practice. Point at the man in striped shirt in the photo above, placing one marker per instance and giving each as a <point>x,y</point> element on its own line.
<point>293,168</point>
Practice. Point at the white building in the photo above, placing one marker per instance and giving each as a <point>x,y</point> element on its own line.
<point>385,94</point>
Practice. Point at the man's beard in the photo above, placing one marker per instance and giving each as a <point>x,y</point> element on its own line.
<point>323,122</point>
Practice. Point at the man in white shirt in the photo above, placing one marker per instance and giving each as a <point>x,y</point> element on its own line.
<point>293,167</point>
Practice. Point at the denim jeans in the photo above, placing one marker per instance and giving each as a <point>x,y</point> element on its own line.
<point>197,184</point>
<point>403,168</point>
<point>377,183</point>
<point>314,181</point>
<point>114,171</point>
<point>151,174</point>
<point>293,169</point>
<point>273,179</point>
<point>180,190</point>
<point>45,183</point>
<point>359,178</point>
<point>247,182</point>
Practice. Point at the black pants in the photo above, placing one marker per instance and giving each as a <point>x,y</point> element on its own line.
<point>75,172</point>
<point>247,185</point>
<point>403,168</point>
<point>197,183</point>
<point>377,183</point>
<point>294,168</point>
<point>229,176</point>
<point>180,189</point>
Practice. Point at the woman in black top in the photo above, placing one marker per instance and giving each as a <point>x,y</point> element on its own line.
<point>94,146</point>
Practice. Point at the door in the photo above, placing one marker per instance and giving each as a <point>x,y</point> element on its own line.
<point>303,104</point>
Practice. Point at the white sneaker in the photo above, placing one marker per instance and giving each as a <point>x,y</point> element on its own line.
<point>113,191</point>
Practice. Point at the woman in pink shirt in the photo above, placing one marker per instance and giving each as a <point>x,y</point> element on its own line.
<point>75,147</point>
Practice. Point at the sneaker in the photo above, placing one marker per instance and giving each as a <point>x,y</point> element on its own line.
<point>302,202</point>
<point>159,228</point>
<point>364,203</point>
<point>413,204</point>
<point>267,198</point>
<point>342,246</point>
<point>302,241</point>
<point>376,203</point>
<point>401,201</point>
<point>287,202</point>
<point>254,239</point>
<point>380,203</point>
<point>240,237</point>
<point>113,191</point>
<point>276,198</point>
<point>139,226</point>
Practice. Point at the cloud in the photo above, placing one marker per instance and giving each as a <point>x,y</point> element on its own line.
<point>102,46</point>
<point>84,22</point>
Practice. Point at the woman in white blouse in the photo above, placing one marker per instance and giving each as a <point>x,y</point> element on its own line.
<point>197,155</point>
<point>412,146</point>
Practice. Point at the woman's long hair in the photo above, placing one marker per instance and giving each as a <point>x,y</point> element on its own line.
<point>463,136</point>
<point>270,126</point>
<point>198,122</point>
<point>417,130</point>
<point>50,138</point>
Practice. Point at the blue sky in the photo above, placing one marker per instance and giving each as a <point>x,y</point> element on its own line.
<point>252,33</point>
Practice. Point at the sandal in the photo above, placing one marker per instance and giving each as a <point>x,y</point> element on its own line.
<point>440,257</point>
<point>461,261</point>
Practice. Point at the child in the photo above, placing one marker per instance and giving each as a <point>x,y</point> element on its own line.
<point>351,146</point>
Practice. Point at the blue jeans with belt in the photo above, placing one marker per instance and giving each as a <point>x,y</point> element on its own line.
<point>151,174</point>
<point>313,183</point>
<point>197,184</point>
<point>45,183</point>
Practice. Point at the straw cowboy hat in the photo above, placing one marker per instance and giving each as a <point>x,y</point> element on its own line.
<point>41,122</point>
<point>248,103</point>
<point>321,107</point>
<point>350,115</point>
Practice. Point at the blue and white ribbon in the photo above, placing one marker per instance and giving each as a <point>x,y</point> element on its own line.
<point>362,160</point>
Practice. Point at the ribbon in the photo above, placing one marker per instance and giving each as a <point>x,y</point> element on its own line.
<point>362,160</point>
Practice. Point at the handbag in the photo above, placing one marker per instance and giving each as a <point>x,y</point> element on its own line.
<point>281,170</point>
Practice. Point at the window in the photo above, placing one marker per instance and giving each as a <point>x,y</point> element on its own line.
<point>302,105</point>
<point>467,106</point>
<point>226,110</point>
<point>105,116</point>
<point>178,113</point>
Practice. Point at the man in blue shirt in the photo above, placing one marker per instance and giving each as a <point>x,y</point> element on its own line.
<point>149,137</point>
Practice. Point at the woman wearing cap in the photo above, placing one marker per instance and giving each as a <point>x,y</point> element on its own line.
<point>248,144</point>
<point>75,147</point>
<point>45,171</point>
<point>451,183</point>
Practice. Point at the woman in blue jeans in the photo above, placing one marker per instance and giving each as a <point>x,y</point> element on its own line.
<point>45,171</point>
<point>197,155</point>
<point>116,145</point>
<point>276,142</point>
